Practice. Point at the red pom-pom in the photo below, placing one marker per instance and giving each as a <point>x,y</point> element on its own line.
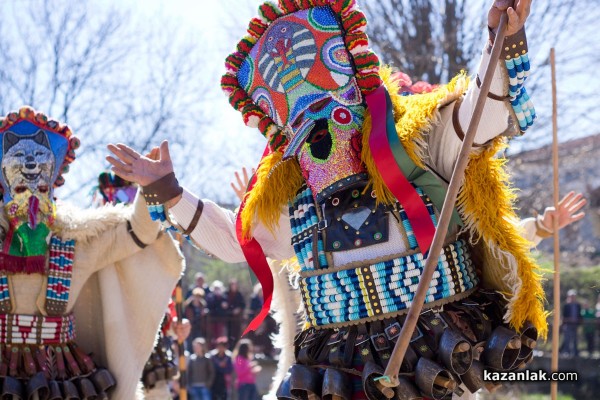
<point>74,143</point>
<point>27,113</point>
<point>269,11</point>
<point>60,180</point>
<point>244,46</point>
<point>41,118</point>
<point>355,22</point>
<point>343,6</point>
<point>256,27</point>
<point>289,6</point>
<point>12,117</point>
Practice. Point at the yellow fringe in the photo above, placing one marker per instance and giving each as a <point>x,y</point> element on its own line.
<point>277,184</point>
<point>486,205</point>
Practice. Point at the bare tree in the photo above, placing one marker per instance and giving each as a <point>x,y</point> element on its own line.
<point>108,77</point>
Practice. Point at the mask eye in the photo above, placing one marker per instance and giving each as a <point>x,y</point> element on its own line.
<point>283,30</point>
<point>270,39</point>
<point>319,105</point>
<point>341,115</point>
<point>298,121</point>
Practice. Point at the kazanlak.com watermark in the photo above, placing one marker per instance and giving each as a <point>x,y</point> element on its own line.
<point>528,376</point>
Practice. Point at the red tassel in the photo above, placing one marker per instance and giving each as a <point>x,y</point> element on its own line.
<point>17,264</point>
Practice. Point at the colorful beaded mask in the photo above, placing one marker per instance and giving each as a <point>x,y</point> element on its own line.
<point>35,153</point>
<point>300,77</point>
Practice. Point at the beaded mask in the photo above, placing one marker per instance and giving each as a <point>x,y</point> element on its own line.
<point>35,153</point>
<point>300,77</point>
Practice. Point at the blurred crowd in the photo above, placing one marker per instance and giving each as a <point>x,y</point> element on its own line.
<point>220,365</point>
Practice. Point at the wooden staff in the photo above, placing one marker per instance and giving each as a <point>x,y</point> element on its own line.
<point>180,346</point>
<point>556,294</point>
<point>390,377</point>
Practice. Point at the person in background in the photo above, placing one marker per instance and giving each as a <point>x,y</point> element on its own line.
<point>221,358</point>
<point>571,317</point>
<point>588,317</point>
<point>235,310</point>
<point>246,370</point>
<point>195,310</point>
<point>200,372</point>
<point>199,282</point>
<point>217,310</point>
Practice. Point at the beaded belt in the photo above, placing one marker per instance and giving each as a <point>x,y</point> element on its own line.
<point>387,287</point>
<point>36,329</point>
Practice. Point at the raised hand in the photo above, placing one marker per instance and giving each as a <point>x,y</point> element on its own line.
<point>517,10</point>
<point>241,185</point>
<point>134,167</point>
<point>567,213</point>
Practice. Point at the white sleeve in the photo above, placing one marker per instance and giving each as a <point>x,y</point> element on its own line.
<point>444,143</point>
<point>216,232</point>
<point>529,230</point>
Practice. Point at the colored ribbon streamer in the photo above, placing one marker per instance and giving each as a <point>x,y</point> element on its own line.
<point>256,259</point>
<point>383,128</point>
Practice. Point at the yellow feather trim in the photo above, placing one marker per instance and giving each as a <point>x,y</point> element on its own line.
<point>486,205</point>
<point>277,184</point>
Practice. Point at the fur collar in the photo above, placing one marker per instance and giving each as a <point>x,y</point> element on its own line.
<point>82,225</point>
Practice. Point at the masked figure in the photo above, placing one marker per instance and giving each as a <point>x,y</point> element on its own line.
<point>76,317</point>
<point>351,184</point>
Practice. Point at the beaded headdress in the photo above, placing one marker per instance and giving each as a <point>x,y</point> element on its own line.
<point>297,53</point>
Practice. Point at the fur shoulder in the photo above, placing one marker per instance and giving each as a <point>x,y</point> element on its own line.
<point>85,224</point>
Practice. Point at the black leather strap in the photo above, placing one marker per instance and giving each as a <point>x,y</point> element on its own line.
<point>135,238</point>
<point>195,218</point>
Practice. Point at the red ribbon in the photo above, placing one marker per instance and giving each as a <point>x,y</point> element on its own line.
<point>394,179</point>
<point>256,259</point>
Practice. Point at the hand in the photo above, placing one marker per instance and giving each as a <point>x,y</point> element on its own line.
<point>517,14</point>
<point>242,183</point>
<point>182,329</point>
<point>132,166</point>
<point>567,209</point>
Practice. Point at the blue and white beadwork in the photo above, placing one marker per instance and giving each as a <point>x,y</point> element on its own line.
<point>384,288</point>
<point>518,71</point>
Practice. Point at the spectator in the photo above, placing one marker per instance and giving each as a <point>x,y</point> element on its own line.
<point>200,372</point>
<point>235,310</point>
<point>217,309</point>
<point>262,337</point>
<point>571,317</point>
<point>199,282</point>
<point>588,316</point>
<point>195,311</point>
<point>246,370</point>
<point>221,358</point>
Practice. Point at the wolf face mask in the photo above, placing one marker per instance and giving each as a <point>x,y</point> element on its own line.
<point>35,153</point>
